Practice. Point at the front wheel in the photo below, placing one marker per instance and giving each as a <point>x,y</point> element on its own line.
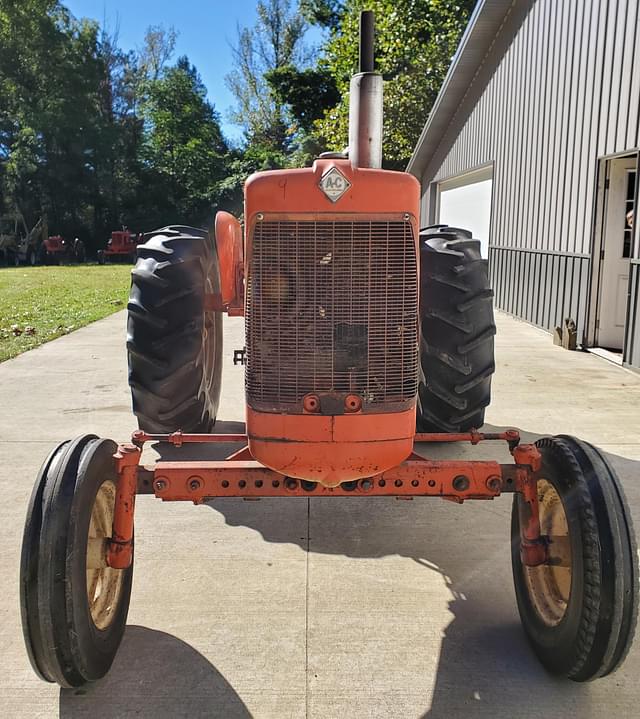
<point>74,607</point>
<point>579,609</point>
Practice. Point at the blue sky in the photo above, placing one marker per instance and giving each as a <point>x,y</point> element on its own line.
<point>205,27</point>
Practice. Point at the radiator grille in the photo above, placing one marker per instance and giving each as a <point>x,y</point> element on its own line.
<point>331,307</point>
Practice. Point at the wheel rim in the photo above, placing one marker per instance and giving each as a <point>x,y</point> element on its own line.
<point>104,584</point>
<point>549,584</point>
<point>208,350</point>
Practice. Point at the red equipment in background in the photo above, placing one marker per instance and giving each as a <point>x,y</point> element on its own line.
<point>122,244</point>
<point>56,250</point>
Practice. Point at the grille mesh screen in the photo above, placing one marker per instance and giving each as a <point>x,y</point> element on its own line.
<point>331,306</point>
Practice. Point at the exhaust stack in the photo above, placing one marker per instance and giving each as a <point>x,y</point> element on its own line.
<point>365,103</point>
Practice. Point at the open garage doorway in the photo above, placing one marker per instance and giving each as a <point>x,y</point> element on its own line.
<point>465,201</point>
<point>613,252</point>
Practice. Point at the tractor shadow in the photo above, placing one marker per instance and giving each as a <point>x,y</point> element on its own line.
<point>158,676</point>
<point>485,666</point>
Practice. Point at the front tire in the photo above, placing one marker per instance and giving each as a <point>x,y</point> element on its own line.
<point>456,332</point>
<point>579,609</point>
<point>74,607</point>
<point>174,342</point>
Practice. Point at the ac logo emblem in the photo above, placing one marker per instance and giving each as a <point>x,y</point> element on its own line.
<point>334,184</point>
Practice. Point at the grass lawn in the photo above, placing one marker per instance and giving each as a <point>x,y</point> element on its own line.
<point>38,304</point>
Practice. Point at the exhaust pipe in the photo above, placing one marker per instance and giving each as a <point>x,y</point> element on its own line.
<point>365,103</point>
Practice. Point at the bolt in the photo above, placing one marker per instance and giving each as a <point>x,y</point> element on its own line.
<point>494,483</point>
<point>352,403</point>
<point>195,483</point>
<point>159,485</point>
<point>461,483</point>
<point>366,485</point>
<point>138,438</point>
<point>311,403</point>
<point>291,484</point>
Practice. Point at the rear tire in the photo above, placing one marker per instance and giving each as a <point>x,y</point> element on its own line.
<point>579,609</point>
<point>174,344</point>
<point>456,332</point>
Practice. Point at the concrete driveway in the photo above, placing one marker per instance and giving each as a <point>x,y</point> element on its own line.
<point>312,607</point>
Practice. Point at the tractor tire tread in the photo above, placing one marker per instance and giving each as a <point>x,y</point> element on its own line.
<point>167,331</point>
<point>457,332</point>
<point>605,611</point>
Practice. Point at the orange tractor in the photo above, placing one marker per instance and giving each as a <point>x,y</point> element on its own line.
<point>121,245</point>
<point>364,335</point>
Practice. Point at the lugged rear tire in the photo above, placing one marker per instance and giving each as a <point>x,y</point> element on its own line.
<point>456,332</point>
<point>174,344</point>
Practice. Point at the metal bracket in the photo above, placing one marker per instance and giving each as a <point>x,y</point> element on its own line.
<point>120,546</point>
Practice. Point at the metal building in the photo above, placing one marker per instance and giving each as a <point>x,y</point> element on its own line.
<point>533,144</point>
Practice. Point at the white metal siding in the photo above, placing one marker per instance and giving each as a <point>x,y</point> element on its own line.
<point>562,94</point>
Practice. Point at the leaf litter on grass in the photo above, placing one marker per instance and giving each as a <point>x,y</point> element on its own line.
<point>38,304</point>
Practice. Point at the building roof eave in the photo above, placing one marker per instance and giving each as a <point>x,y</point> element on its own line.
<point>486,23</point>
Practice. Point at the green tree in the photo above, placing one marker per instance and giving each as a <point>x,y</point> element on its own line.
<point>159,46</point>
<point>327,13</point>
<point>306,92</point>
<point>275,42</point>
<point>415,41</point>
<point>49,111</point>
<point>184,153</point>
<point>117,168</point>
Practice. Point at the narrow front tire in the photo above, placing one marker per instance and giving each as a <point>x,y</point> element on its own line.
<point>579,609</point>
<point>74,607</point>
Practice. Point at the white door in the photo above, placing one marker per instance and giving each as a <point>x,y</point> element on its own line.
<point>468,206</point>
<point>617,244</point>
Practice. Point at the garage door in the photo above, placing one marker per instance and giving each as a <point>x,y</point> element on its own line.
<point>465,201</point>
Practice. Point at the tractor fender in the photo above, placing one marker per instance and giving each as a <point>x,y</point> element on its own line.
<point>228,238</point>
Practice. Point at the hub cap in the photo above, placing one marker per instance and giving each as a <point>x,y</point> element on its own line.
<point>104,584</point>
<point>550,584</point>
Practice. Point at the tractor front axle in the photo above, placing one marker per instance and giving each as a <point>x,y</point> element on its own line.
<point>239,475</point>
